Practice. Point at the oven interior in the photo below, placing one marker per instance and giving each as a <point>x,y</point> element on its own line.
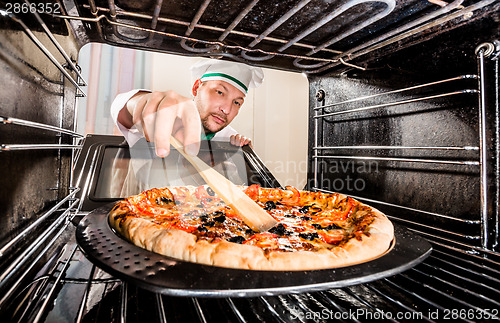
<point>403,115</point>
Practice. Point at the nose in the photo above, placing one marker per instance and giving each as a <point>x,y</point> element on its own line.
<point>225,107</point>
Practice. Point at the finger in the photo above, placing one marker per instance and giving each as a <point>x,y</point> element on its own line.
<point>192,128</point>
<point>242,141</point>
<point>165,118</point>
<point>137,114</point>
<point>149,114</point>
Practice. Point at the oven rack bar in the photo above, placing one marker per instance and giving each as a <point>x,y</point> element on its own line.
<point>5,248</point>
<point>64,219</point>
<point>123,303</point>
<point>61,50</point>
<point>411,293</point>
<point>323,298</point>
<point>408,160</point>
<point>330,302</point>
<point>462,302</point>
<point>405,208</point>
<point>490,290</point>
<point>83,304</point>
<point>237,20</point>
<point>37,243</point>
<point>475,148</point>
<point>161,308</point>
<point>419,86</point>
<point>405,32</point>
<point>480,53</point>
<point>235,310</point>
<point>48,297</point>
<point>31,124</point>
<point>191,28</point>
<point>389,7</point>
<point>154,21</point>
<point>451,233</point>
<point>460,247</point>
<point>393,300</point>
<point>9,147</point>
<point>271,309</point>
<point>199,310</point>
<point>460,262</point>
<point>44,50</point>
<point>390,104</point>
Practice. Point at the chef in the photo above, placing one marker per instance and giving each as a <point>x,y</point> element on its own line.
<point>142,116</point>
<point>218,91</point>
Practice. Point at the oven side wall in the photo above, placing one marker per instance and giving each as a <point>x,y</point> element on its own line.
<point>33,89</point>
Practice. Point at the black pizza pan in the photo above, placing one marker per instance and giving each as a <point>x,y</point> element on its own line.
<point>169,276</point>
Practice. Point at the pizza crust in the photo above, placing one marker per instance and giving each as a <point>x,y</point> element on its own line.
<point>186,246</point>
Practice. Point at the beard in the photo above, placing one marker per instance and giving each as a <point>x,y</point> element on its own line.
<point>211,126</point>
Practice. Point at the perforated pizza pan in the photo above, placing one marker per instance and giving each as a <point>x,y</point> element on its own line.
<point>170,276</point>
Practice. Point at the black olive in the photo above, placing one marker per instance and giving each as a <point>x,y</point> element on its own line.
<point>279,229</point>
<point>290,216</point>
<point>305,218</point>
<point>199,205</point>
<point>329,227</point>
<point>202,229</point>
<point>270,205</point>
<point>209,224</point>
<point>304,209</point>
<point>210,191</point>
<point>204,217</point>
<point>220,218</point>
<point>236,239</point>
<point>249,231</point>
<point>166,200</point>
<point>309,236</point>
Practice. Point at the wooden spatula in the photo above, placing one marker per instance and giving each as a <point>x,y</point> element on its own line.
<point>251,213</point>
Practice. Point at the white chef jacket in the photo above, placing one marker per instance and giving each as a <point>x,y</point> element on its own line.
<point>132,135</point>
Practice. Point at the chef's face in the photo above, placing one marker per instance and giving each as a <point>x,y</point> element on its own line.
<point>218,103</point>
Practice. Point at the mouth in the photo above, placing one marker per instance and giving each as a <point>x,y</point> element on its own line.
<point>218,119</point>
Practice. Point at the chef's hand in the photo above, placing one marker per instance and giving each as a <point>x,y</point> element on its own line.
<point>240,141</point>
<point>162,114</point>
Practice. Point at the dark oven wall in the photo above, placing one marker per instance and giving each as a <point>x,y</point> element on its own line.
<point>437,115</point>
<point>35,175</point>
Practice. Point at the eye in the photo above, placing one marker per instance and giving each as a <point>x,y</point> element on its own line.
<point>238,103</point>
<point>219,92</point>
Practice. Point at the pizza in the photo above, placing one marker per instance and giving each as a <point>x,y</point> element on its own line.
<point>315,230</point>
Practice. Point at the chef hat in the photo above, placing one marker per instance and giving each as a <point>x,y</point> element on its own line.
<point>240,75</point>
